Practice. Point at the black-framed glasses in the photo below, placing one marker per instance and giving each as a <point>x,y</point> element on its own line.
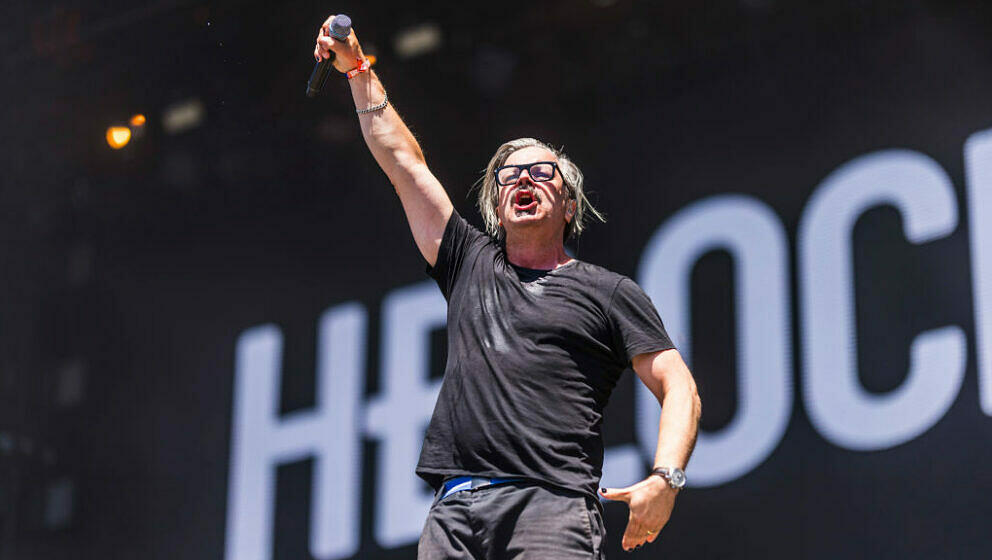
<point>538,171</point>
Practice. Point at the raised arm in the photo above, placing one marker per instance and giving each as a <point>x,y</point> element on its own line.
<point>424,200</point>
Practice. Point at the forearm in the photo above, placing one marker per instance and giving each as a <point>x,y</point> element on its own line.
<point>387,137</point>
<point>393,146</point>
<point>677,429</point>
<point>651,500</point>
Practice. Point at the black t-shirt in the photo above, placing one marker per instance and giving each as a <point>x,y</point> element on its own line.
<point>532,359</point>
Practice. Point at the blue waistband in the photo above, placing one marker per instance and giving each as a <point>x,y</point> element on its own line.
<point>461,483</point>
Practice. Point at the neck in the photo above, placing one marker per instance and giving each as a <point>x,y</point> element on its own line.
<point>539,254</point>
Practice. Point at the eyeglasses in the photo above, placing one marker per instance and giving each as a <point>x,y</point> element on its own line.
<point>538,171</point>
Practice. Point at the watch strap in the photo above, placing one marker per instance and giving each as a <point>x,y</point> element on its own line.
<point>666,473</point>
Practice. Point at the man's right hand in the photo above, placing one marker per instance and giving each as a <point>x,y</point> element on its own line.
<point>345,53</point>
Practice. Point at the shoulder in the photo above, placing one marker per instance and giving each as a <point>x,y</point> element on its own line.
<point>458,228</point>
<point>600,278</point>
<point>461,247</point>
<point>618,291</point>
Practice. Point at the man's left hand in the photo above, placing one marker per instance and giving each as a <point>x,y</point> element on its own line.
<point>650,502</point>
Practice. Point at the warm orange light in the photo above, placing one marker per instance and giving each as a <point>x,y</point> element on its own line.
<point>118,136</point>
<point>138,120</point>
<point>371,58</point>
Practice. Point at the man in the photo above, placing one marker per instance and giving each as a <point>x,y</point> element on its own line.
<point>536,343</point>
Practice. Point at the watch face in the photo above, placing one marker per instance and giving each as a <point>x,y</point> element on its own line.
<point>678,478</point>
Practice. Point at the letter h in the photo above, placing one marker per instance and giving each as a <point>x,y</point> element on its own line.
<point>329,432</point>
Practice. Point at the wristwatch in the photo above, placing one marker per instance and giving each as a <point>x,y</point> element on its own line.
<point>674,476</point>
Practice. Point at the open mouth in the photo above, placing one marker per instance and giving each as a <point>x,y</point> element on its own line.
<point>524,202</point>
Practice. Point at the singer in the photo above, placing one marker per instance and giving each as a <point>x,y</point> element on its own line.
<point>536,343</point>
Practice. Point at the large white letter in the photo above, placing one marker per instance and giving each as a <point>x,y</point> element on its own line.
<point>260,440</point>
<point>978,161</point>
<point>399,415</point>
<point>754,236</point>
<point>838,406</point>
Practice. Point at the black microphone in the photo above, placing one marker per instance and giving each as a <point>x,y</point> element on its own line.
<point>340,29</point>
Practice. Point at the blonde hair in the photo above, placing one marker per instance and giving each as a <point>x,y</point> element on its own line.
<point>488,201</point>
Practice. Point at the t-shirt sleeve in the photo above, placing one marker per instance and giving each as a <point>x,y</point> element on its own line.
<point>637,328</point>
<point>459,243</point>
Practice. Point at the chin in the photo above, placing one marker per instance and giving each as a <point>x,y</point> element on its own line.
<point>524,220</point>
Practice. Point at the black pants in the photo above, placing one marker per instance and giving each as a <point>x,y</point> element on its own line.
<point>518,520</point>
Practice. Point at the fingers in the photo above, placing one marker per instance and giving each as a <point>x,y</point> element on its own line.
<point>323,50</point>
<point>325,47</point>
<point>635,535</point>
<point>329,48</point>
<point>320,53</point>
<point>330,44</point>
<point>325,29</point>
<point>615,494</point>
<point>325,44</point>
<point>646,519</point>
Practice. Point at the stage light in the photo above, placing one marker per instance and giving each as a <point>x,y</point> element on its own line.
<point>118,136</point>
<point>417,40</point>
<point>138,120</point>
<point>183,116</point>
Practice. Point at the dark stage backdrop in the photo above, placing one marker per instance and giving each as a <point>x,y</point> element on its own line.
<point>219,341</point>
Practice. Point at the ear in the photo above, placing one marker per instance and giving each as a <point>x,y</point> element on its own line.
<point>572,205</point>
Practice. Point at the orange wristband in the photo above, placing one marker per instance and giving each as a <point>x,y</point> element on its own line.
<point>363,66</point>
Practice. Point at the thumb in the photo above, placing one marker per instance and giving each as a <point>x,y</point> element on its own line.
<point>617,494</point>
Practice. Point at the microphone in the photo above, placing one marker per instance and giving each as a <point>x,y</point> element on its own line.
<point>340,29</point>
